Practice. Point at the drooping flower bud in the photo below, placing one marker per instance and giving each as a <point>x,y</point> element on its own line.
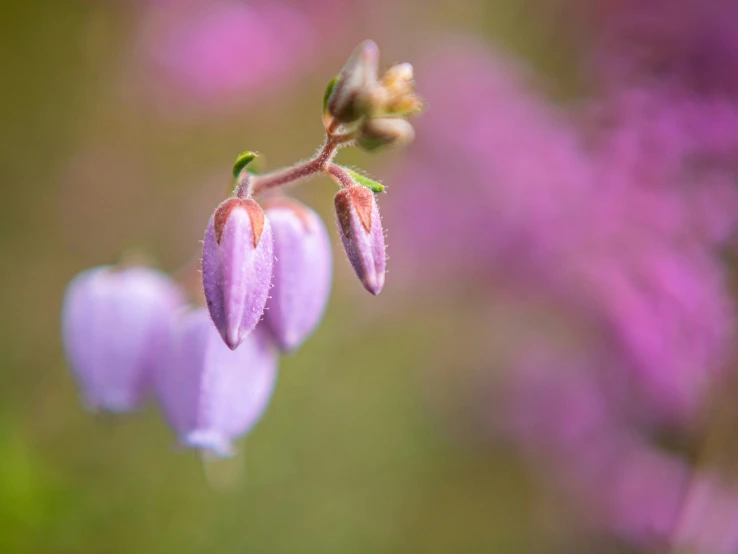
<point>384,132</point>
<point>211,395</point>
<point>302,273</point>
<point>360,227</point>
<point>116,323</point>
<point>237,267</point>
<point>347,100</point>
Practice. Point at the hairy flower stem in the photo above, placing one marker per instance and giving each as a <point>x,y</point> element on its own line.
<point>253,185</point>
<point>340,175</point>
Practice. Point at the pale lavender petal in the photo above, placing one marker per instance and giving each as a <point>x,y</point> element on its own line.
<point>212,395</point>
<point>301,281</point>
<point>116,323</point>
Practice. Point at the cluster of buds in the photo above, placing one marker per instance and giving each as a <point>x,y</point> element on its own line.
<point>374,110</point>
<point>266,279</point>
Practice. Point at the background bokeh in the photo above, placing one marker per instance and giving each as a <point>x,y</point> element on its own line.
<point>387,432</point>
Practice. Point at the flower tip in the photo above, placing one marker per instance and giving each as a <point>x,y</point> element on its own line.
<point>368,48</point>
<point>374,283</point>
<point>209,441</point>
<point>233,337</point>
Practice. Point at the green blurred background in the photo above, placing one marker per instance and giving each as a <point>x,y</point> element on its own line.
<point>365,447</point>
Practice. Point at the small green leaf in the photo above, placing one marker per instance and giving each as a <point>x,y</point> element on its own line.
<point>243,159</point>
<point>364,181</point>
<point>328,91</point>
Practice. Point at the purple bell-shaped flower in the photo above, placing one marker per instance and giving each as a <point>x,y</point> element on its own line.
<point>237,267</point>
<point>361,232</point>
<point>210,394</point>
<point>301,281</point>
<point>116,324</point>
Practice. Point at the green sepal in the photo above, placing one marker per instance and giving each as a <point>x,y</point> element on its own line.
<point>243,159</point>
<point>364,181</point>
<point>328,91</point>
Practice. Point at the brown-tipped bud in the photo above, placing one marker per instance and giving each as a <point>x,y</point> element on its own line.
<point>384,132</point>
<point>237,258</point>
<point>348,99</point>
<point>361,232</point>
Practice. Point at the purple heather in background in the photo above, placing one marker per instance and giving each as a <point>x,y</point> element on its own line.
<point>212,395</point>
<point>237,260</point>
<point>573,414</point>
<point>615,208</point>
<point>116,325</point>
<point>301,280</point>
<point>360,227</point>
<point>564,203</point>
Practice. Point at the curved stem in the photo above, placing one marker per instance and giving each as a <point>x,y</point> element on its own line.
<point>261,183</point>
<point>340,175</point>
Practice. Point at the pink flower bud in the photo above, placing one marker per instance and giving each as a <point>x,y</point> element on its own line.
<point>302,273</point>
<point>211,395</point>
<point>237,267</point>
<point>116,324</point>
<point>356,81</point>
<point>361,232</point>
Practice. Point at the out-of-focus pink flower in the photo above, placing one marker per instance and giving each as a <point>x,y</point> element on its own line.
<point>614,209</point>
<point>117,324</point>
<point>217,54</point>
<point>491,155</point>
<point>612,218</point>
<point>212,395</point>
<point>570,414</point>
<point>689,42</point>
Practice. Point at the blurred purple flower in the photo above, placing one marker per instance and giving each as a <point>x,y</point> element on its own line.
<point>116,325</point>
<point>210,394</point>
<point>690,43</point>
<point>615,210</point>
<point>610,215</point>
<point>569,414</point>
<point>303,266</point>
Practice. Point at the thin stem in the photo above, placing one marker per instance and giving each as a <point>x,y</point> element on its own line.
<point>261,183</point>
<point>340,175</point>
<point>265,182</point>
<point>344,138</point>
<point>332,127</point>
<point>243,187</point>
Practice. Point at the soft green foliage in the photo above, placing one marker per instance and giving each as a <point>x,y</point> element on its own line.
<point>364,181</point>
<point>328,91</point>
<point>243,159</point>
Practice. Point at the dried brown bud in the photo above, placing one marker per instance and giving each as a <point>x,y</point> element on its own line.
<point>348,99</point>
<point>385,132</point>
